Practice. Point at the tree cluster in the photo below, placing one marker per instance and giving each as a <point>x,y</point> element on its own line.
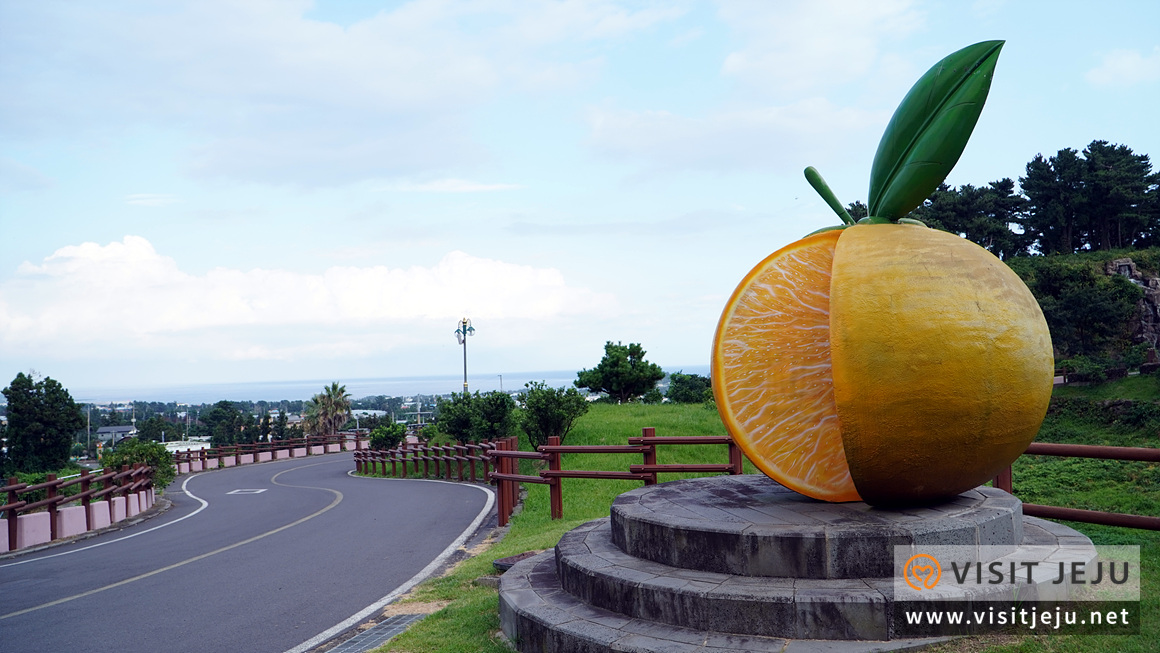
<point>1102,198</point>
<point>43,421</point>
<point>474,417</point>
<point>623,374</point>
<point>545,412</point>
<point>689,388</point>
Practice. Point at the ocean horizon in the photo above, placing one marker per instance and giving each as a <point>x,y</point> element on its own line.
<point>274,391</point>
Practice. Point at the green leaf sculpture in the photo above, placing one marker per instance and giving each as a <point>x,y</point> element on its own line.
<point>925,137</point>
<point>930,129</point>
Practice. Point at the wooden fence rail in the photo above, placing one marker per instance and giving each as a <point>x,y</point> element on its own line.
<point>109,483</point>
<point>1004,482</point>
<point>500,464</point>
<point>507,480</point>
<point>460,462</point>
<point>235,452</point>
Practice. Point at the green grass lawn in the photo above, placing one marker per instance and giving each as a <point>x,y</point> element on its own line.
<point>470,620</point>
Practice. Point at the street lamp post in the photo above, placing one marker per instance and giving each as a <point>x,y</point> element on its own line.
<point>465,329</point>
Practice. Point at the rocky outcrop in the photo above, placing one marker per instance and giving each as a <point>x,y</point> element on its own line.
<point>1147,326</point>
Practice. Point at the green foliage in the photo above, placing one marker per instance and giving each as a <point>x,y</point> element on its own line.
<point>279,432</point>
<point>1106,198</point>
<point>157,428</point>
<point>42,422</point>
<point>1083,368</point>
<point>550,412</point>
<point>623,373</point>
<point>387,436</point>
<point>224,422</point>
<point>1136,387</point>
<point>327,411</point>
<point>689,388</point>
<point>1086,310</point>
<point>474,417</point>
<point>653,396</point>
<point>36,478</point>
<point>497,416</point>
<point>154,454</point>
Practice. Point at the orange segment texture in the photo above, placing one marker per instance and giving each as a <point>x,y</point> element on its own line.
<point>772,371</point>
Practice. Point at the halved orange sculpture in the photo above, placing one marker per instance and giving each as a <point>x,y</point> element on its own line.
<point>886,362</point>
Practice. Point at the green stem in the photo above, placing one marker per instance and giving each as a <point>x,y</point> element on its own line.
<point>823,189</point>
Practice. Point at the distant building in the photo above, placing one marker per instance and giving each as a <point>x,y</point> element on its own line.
<point>115,433</point>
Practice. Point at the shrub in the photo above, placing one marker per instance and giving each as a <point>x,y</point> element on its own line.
<point>154,454</point>
<point>387,436</point>
<point>550,412</point>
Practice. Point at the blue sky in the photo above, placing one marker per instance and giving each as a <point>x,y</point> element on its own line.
<point>246,190</point>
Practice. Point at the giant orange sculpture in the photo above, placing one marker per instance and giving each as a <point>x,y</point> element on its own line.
<point>882,360</point>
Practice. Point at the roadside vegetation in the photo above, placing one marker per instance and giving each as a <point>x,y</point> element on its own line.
<point>469,620</point>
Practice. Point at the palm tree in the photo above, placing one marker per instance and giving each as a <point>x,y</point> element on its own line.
<point>335,407</point>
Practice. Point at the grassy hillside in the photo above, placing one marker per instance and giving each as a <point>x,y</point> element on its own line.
<point>470,620</point>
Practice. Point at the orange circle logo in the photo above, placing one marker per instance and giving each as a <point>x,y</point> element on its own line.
<point>923,569</point>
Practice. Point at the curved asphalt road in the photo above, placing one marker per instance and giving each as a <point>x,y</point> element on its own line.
<point>257,572</point>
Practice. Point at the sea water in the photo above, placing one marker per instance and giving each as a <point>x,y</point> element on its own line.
<point>274,391</point>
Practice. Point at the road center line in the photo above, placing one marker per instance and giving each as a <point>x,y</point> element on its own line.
<point>273,479</point>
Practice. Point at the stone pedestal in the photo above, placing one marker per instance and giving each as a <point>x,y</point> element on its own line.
<point>740,563</point>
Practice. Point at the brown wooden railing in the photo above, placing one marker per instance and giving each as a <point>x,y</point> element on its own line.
<point>507,478</point>
<point>1004,482</point>
<point>93,486</point>
<point>460,462</point>
<point>236,451</point>
<point>499,464</point>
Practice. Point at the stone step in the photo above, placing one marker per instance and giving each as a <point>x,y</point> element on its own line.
<point>749,525</point>
<point>592,569</point>
<point>537,615</point>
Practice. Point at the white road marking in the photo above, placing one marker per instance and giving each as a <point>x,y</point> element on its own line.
<point>204,505</point>
<point>361,615</point>
<point>203,556</point>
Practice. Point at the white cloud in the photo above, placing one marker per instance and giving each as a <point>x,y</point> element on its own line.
<point>260,93</point>
<point>1126,68</point>
<point>448,186</point>
<point>779,137</point>
<point>811,44</point>
<point>126,295</point>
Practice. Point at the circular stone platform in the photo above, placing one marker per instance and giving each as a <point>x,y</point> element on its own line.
<point>739,563</point>
<point>750,525</point>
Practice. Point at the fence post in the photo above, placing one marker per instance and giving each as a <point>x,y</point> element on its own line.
<point>85,499</point>
<point>13,513</point>
<point>500,487</point>
<point>650,454</point>
<point>1003,480</point>
<point>513,468</point>
<point>50,494</point>
<point>735,458</point>
<point>556,487</point>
